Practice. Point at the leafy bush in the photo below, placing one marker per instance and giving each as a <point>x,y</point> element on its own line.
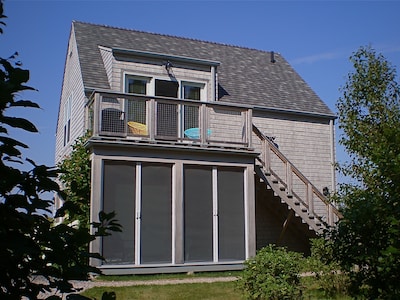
<point>328,276</point>
<point>272,274</point>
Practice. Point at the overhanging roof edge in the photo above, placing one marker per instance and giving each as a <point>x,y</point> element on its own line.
<point>166,56</point>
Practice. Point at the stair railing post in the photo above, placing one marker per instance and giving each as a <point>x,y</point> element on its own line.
<point>266,156</point>
<point>310,200</point>
<point>330,215</point>
<point>289,179</point>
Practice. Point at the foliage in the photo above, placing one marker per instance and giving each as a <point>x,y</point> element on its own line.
<point>272,274</point>
<point>35,255</point>
<point>75,177</point>
<point>367,239</point>
<point>328,276</point>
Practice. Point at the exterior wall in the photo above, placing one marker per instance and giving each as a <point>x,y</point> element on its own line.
<point>308,143</point>
<point>178,160</point>
<point>106,55</point>
<point>156,69</point>
<point>72,87</point>
<point>305,141</point>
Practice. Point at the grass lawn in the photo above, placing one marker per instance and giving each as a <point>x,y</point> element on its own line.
<point>217,290</point>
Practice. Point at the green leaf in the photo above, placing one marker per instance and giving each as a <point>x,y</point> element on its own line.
<point>19,123</point>
<point>25,103</point>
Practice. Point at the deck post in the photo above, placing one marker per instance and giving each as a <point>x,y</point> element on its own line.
<point>152,120</point>
<point>96,114</point>
<point>289,179</point>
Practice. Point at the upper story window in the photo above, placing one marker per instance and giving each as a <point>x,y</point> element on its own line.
<point>136,85</point>
<point>67,120</point>
<point>192,91</point>
<point>142,85</point>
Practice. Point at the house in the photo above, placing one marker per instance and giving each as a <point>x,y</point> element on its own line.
<point>206,151</point>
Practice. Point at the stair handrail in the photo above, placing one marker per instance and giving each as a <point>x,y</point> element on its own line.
<point>265,160</point>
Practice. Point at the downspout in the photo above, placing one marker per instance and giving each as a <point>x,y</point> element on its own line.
<point>333,158</point>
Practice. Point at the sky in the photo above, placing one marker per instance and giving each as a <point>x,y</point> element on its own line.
<point>315,37</point>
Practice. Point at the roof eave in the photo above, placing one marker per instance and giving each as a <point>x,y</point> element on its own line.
<point>296,112</point>
<point>165,56</point>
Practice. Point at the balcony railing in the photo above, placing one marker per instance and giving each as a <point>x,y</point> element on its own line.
<point>161,119</point>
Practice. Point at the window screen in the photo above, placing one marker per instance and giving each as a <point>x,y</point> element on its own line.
<point>198,214</point>
<point>119,196</point>
<point>231,225</point>
<point>156,223</point>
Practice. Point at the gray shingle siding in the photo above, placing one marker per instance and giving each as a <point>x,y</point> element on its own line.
<point>245,76</point>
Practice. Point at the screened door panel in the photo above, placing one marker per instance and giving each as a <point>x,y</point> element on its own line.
<point>156,216</point>
<point>167,114</point>
<point>119,196</point>
<point>231,224</point>
<point>198,214</point>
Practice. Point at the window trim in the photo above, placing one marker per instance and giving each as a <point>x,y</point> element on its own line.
<point>127,76</point>
<point>150,86</point>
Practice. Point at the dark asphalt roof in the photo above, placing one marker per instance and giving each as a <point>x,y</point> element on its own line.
<point>246,76</point>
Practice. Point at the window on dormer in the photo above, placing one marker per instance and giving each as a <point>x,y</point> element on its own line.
<point>167,88</point>
<point>191,92</point>
<point>136,85</point>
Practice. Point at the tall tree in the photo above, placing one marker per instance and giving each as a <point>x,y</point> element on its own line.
<point>367,239</point>
<point>35,255</point>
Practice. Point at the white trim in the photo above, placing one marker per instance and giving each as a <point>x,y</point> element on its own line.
<point>246,212</point>
<point>172,161</point>
<point>138,194</point>
<point>126,75</point>
<point>173,213</point>
<point>215,212</point>
<point>200,84</point>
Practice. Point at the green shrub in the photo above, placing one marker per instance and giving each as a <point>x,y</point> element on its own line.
<point>328,276</point>
<point>272,274</point>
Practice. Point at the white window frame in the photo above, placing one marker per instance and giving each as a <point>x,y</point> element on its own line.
<point>201,85</point>
<point>148,80</point>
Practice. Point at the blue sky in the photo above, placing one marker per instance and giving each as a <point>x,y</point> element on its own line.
<point>316,37</point>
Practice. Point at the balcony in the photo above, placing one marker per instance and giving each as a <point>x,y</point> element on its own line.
<point>169,120</point>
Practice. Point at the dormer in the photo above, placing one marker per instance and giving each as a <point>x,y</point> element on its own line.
<point>159,74</point>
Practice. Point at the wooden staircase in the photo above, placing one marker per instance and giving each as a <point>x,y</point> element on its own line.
<point>292,187</point>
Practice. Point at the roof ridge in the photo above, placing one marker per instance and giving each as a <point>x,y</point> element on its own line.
<point>175,36</point>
